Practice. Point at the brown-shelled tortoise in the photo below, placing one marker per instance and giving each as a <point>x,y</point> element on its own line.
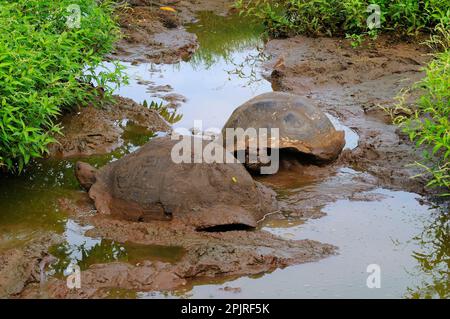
<point>148,185</point>
<point>303,128</point>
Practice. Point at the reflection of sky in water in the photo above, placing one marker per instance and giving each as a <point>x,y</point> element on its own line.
<point>351,137</point>
<point>76,238</point>
<point>214,84</point>
<point>212,93</point>
<point>78,248</point>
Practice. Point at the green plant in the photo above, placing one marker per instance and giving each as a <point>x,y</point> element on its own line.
<point>171,116</point>
<point>356,39</point>
<point>339,17</point>
<point>47,66</point>
<point>429,123</point>
<point>433,258</point>
<point>219,37</point>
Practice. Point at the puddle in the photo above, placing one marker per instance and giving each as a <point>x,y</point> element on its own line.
<point>29,202</point>
<point>387,232</point>
<point>222,74</point>
<point>30,206</point>
<point>85,251</point>
<point>351,137</point>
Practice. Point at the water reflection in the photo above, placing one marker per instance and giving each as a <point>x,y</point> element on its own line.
<point>248,70</point>
<point>85,251</point>
<point>30,201</point>
<point>351,137</point>
<point>220,37</point>
<point>223,74</point>
<point>433,258</point>
<point>379,231</point>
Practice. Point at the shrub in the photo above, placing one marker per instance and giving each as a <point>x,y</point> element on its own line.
<point>429,123</point>
<point>45,67</point>
<point>340,17</point>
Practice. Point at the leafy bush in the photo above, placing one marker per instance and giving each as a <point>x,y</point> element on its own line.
<point>339,17</point>
<point>429,123</point>
<point>46,66</point>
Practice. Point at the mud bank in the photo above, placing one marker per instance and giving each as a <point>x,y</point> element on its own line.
<point>22,266</point>
<point>98,130</point>
<point>149,35</point>
<point>353,85</point>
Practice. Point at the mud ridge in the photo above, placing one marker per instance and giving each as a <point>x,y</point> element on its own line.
<point>96,130</point>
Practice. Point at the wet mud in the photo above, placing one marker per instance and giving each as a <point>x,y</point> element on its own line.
<point>22,266</point>
<point>98,130</point>
<point>207,255</point>
<point>149,35</point>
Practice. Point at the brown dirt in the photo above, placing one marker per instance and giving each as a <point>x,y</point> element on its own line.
<point>153,35</point>
<point>348,83</point>
<point>95,130</point>
<point>20,267</point>
<point>352,84</point>
<point>150,34</point>
<point>187,9</point>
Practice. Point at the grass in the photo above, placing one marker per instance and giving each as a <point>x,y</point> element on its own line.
<point>46,66</point>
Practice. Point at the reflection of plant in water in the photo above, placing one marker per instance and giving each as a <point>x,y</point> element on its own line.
<point>170,115</point>
<point>136,135</point>
<point>248,69</point>
<point>434,259</point>
<point>220,37</point>
<point>105,251</point>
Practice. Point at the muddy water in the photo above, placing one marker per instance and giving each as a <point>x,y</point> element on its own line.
<point>386,232</point>
<point>86,251</point>
<point>405,238</point>
<point>224,73</point>
<point>395,230</point>
<point>220,76</point>
<point>30,202</point>
<point>383,227</point>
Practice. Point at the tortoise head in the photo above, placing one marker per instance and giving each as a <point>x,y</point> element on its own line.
<point>85,174</point>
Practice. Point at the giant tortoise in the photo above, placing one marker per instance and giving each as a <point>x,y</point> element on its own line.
<point>303,128</point>
<point>148,185</point>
